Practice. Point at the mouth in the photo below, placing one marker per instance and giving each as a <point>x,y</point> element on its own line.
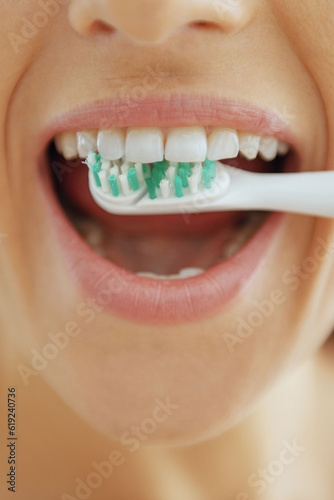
<point>163,267</point>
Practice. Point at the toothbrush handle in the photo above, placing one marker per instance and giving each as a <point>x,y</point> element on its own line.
<point>309,193</point>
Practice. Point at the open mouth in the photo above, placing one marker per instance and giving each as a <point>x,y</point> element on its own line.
<point>177,246</point>
<point>161,268</point>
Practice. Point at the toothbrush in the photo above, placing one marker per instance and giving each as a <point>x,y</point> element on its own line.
<point>171,188</point>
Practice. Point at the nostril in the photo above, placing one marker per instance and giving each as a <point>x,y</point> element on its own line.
<point>204,25</point>
<point>100,28</point>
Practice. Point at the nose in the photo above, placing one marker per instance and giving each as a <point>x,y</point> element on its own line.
<point>155,20</point>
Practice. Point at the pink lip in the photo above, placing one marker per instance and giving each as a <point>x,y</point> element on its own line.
<point>123,293</point>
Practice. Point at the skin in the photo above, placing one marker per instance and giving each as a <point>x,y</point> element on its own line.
<point>234,410</point>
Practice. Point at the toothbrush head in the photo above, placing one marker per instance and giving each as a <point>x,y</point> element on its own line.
<point>155,188</point>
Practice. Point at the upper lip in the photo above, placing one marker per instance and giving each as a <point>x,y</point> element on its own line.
<point>172,111</point>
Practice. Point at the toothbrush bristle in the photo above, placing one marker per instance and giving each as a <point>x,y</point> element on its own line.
<point>161,179</point>
<point>178,186</point>
<point>151,188</point>
<point>165,188</point>
<point>133,181</point>
<point>113,185</point>
<point>123,179</point>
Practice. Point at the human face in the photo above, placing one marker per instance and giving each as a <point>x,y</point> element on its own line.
<point>112,343</point>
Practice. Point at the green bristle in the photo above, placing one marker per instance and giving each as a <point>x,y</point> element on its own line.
<point>178,186</point>
<point>133,180</point>
<point>96,170</point>
<point>114,185</point>
<point>184,177</point>
<point>162,164</point>
<point>98,165</point>
<point>157,175</point>
<point>150,188</point>
<point>145,169</point>
<point>212,165</point>
<point>207,177</point>
<point>185,165</point>
<point>92,159</point>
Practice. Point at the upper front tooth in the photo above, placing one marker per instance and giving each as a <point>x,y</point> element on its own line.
<point>223,144</point>
<point>249,145</point>
<point>111,144</point>
<point>87,141</point>
<point>187,144</point>
<point>144,145</point>
<point>66,144</point>
<point>268,148</point>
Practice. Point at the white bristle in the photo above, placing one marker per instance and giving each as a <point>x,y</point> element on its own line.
<point>173,164</point>
<point>106,165</point>
<point>165,188</point>
<point>103,175</point>
<point>125,168</point>
<point>170,173</point>
<point>197,171</point>
<point>91,159</point>
<point>193,182</point>
<point>123,179</point>
<point>139,172</point>
<point>114,171</point>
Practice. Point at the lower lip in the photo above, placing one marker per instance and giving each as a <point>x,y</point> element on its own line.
<point>128,296</point>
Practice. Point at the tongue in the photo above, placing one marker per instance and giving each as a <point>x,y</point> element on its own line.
<point>158,244</point>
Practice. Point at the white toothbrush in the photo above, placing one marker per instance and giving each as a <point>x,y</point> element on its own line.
<point>309,193</point>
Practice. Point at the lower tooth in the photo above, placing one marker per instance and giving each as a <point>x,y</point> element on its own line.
<point>189,272</point>
<point>252,224</point>
<point>92,233</point>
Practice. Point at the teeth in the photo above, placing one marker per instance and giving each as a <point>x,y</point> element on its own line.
<point>87,141</point>
<point>145,145</point>
<point>66,145</point>
<point>243,234</point>
<point>268,148</point>
<point>249,145</point>
<point>111,144</point>
<point>183,145</point>
<point>92,232</point>
<point>283,148</point>
<point>223,144</point>
<point>189,272</point>
<point>187,144</point>
<point>100,240</point>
